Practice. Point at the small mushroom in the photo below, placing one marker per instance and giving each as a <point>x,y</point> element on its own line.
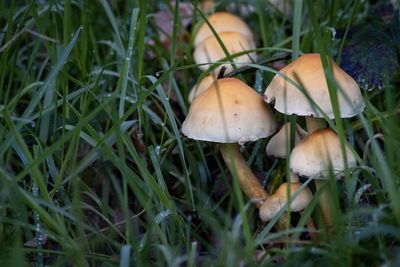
<point>276,146</point>
<point>317,155</point>
<point>280,198</point>
<point>201,86</point>
<point>230,112</point>
<point>222,22</point>
<point>210,50</point>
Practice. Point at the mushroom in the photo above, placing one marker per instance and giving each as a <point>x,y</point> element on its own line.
<point>230,112</point>
<point>276,146</point>
<point>317,155</point>
<point>201,86</point>
<point>280,198</point>
<point>307,71</point>
<point>210,50</point>
<point>222,22</point>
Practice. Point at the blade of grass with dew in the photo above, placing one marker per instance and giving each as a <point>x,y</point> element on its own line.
<point>111,18</point>
<point>140,58</point>
<point>127,66</point>
<point>174,126</point>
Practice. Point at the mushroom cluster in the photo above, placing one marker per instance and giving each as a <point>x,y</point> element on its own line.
<point>222,35</point>
<point>229,112</point>
<point>301,88</point>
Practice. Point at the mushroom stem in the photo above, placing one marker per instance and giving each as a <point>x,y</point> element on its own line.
<point>324,200</point>
<point>314,124</point>
<point>310,225</point>
<point>248,182</point>
<point>283,222</point>
<point>325,203</point>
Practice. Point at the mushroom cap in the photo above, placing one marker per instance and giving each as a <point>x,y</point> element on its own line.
<point>222,22</point>
<point>229,112</point>
<point>210,51</point>
<point>276,146</point>
<point>201,86</point>
<point>307,72</point>
<point>314,155</point>
<point>207,5</point>
<point>278,200</point>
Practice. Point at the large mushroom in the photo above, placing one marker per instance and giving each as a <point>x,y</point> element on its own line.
<point>230,112</point>
<point>308,73</point>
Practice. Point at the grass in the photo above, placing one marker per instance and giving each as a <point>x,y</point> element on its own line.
<point>95,171</point>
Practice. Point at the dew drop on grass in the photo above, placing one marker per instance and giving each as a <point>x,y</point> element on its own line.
<point>157,150</point>
<point>333,32</point>
<point>38,227</point>
<point>161,216</point>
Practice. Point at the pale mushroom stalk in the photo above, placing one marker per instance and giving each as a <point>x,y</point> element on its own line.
<point>325,203</point>
<point>283,223</point>
<point>248,182</point>
<point>314,124</point>
<point>310,225</point>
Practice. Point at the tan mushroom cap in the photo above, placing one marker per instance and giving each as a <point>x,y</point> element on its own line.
<point>222,22</point>
<point>210,51</point>
<point>308,72</point>
<point>207,5</point>
<point>229,112</point>
<point>314,155</point>
<point>276,146</point>
<point>200,87</point>
<point>278,200</point>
